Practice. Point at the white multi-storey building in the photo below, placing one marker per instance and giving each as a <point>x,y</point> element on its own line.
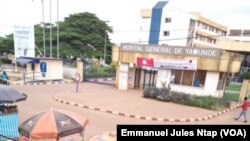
<point>164,26</point>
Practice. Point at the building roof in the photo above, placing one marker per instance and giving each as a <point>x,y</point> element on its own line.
<point>208,21</point>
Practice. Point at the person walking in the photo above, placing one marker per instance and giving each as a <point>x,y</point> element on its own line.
<point>5,78</point>
<point>244,107</point>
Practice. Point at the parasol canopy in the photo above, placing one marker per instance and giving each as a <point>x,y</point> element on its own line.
<point>9,95</point>
<point>53,124</point>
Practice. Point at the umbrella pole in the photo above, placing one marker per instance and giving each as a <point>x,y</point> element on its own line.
<point>82,135</point>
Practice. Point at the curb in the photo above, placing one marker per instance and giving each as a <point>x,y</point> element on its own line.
<point>216,114</point>
<point>41,83</point>
<point>100,79</point>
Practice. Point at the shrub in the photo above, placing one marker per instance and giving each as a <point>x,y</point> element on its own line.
<point>162,94</point>
<point>165,94</point>
<point>93,71</point>
<point>207,102</point>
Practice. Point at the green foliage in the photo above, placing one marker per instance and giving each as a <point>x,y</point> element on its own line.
<point>207,102</point>
<point>162,93</point>
<point>94,71</point>
<point>79,30</point>
<point>75,33</point>
<point>7,44</point>
<point>165,94</point>
<point>113,66</point>
<point>245,75</point>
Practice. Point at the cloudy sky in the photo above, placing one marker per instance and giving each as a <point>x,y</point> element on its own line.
<point>123,15</point>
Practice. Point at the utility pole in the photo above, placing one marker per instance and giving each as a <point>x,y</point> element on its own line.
<point>50,31</point>
<point>105,44</point>
<point>44,50</point>
<point>58,29</point>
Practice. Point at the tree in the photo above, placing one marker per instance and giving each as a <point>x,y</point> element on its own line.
<point>7,44</point>
<point>81,29</point>
<point>76,32</point>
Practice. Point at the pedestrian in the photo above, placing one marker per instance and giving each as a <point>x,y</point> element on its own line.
<point>5,78</point>
<point>244,107</point>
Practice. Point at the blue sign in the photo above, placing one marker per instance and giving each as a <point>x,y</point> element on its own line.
<point>43,67</point>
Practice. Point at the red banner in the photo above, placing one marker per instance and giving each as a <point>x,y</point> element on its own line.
<point>144,62</point>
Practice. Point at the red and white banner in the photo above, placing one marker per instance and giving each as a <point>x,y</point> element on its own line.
<point>144,62</point>
<point>176,64</point>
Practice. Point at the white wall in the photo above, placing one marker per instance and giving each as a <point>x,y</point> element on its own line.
<point>210,87</point>
<point>69,72</point>
<point>163,76</point>
<point>131,78</point>
<point>178,27</point>
<point>54,69</point>
<point>144,30</point>
<point>123,77</point>
<point>211,82</point>
<point>29,72</point>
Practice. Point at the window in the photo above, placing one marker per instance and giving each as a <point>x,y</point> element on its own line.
<point>166,33</point>
<point>198,24</point>
<point>189,78</point>
<point>167,20</point>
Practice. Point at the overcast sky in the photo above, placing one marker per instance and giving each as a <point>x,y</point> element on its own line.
<point>124,15</point>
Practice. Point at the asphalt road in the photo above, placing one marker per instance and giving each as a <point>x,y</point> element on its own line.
<point>41,97</point>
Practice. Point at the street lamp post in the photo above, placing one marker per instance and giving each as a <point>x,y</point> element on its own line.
<point>105,46</point>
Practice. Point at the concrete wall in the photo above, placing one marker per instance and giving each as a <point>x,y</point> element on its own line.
<point>36,72</point>
<point>233,45</point>
<point>178,27</point>
<point>163,77</point>
<point>54,70</point>
<point>210,64</point>
<point>131,77</point>
<point>123,77</point>
<point>211,82</point>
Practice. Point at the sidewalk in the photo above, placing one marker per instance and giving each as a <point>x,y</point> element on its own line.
<point>131,103</point>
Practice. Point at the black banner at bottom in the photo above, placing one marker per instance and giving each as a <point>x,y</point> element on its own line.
<point>201,132</point>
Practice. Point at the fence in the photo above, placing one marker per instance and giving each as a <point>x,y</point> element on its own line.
<point>32,76</point>
<point>232,91</point>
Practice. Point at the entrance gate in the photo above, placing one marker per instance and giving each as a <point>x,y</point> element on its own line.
<point>232,91</point>
<point>145,78</point>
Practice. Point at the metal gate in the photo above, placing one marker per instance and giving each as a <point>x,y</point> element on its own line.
<point>232,91</point>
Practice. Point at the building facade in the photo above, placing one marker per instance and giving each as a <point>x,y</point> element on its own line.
<point>238,41</point>
<point>200,71</point>
<point>164,26</point>
<point>181,50</point>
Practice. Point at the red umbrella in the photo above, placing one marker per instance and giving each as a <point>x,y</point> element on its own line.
<point>53,124</point>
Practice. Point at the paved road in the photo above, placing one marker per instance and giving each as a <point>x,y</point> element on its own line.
<point>41,97</point>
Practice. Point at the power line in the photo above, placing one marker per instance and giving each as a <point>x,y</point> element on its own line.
<point>186,38</point>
